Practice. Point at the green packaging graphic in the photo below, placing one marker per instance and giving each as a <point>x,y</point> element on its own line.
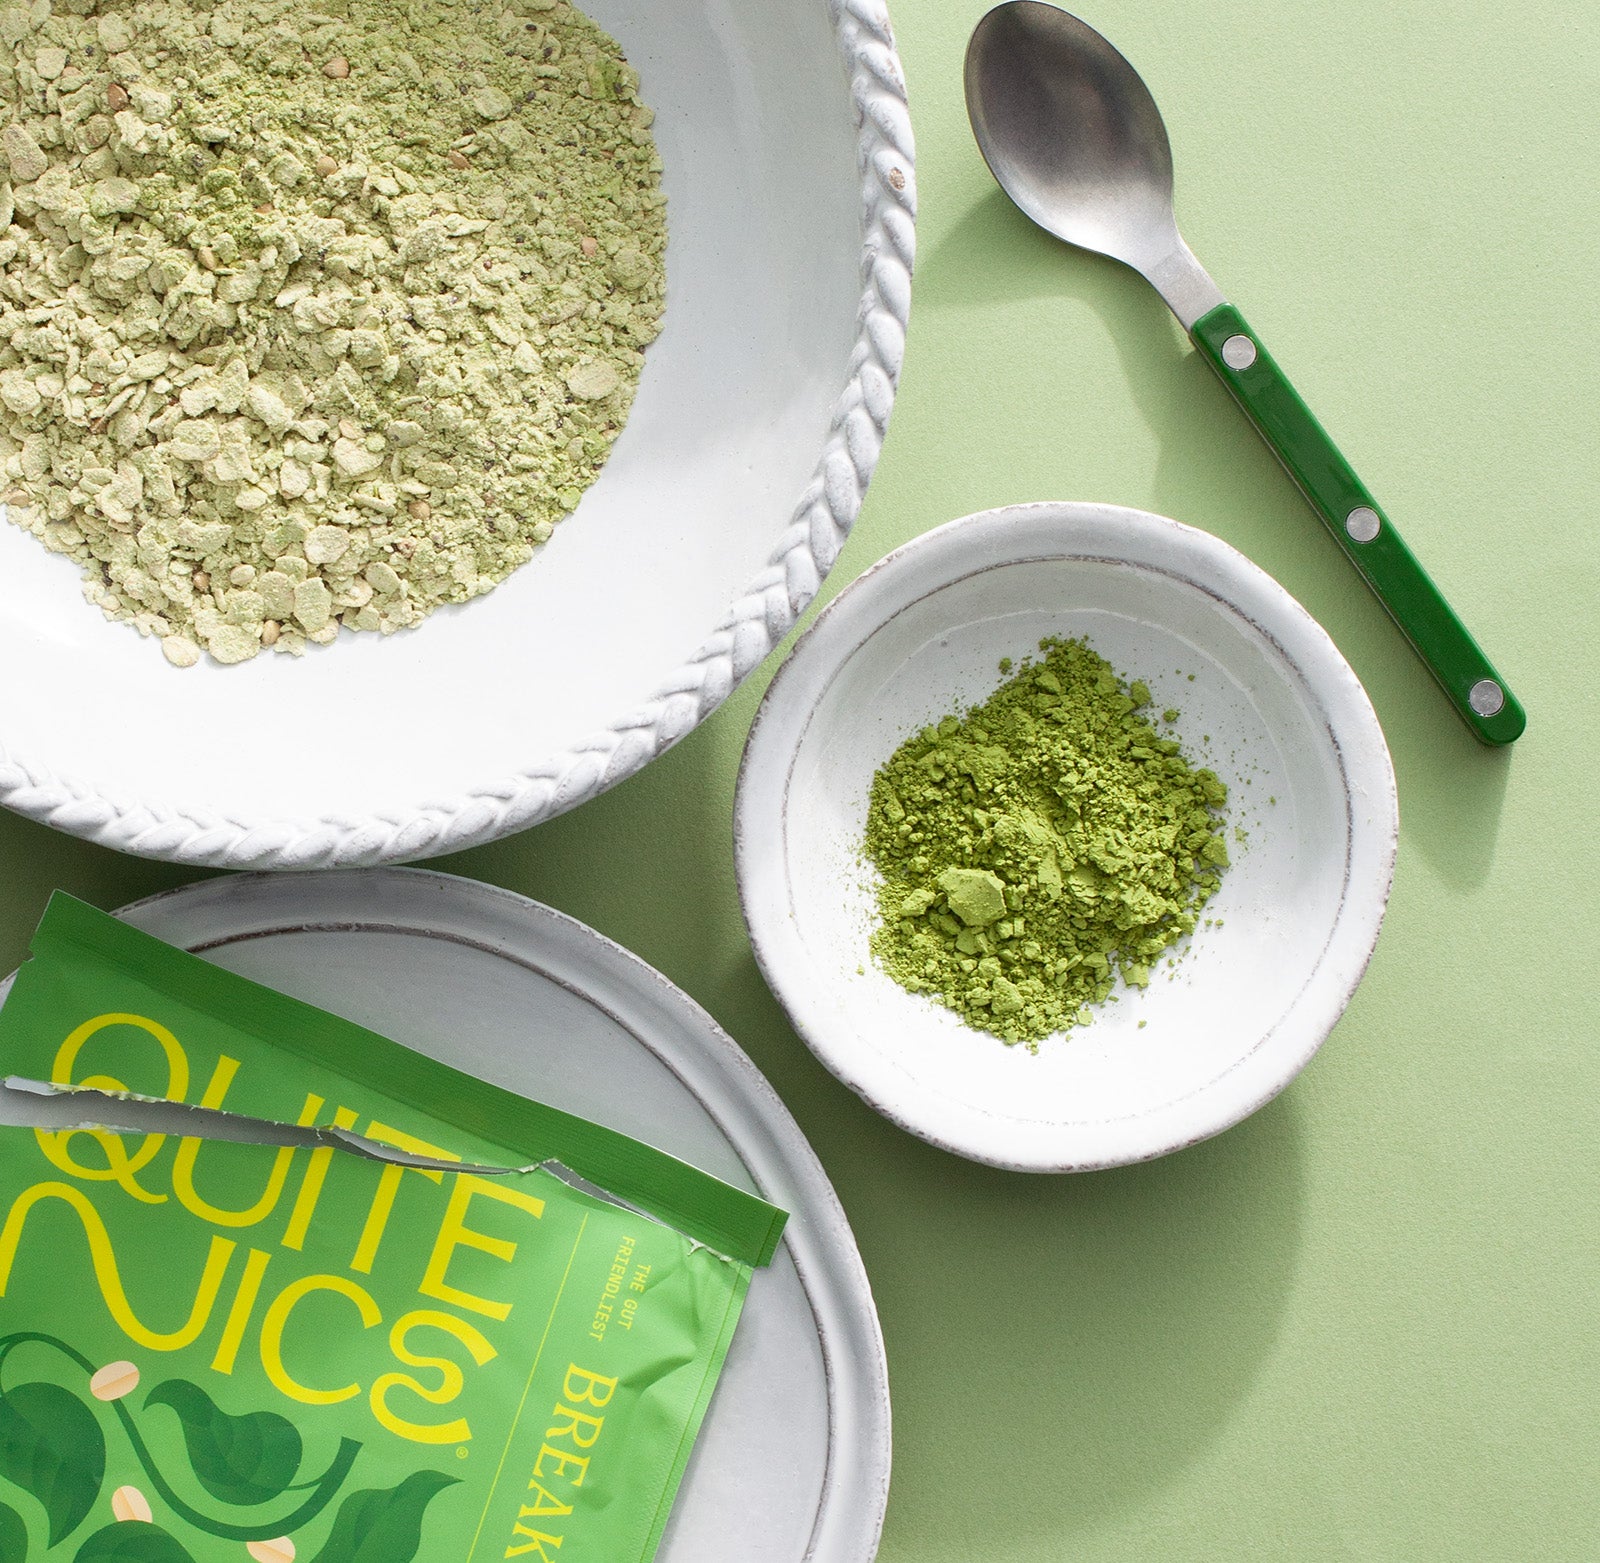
<point>214,1350</point>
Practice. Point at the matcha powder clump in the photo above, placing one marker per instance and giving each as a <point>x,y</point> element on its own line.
<point>1040,846</point>
<point>313,314</point>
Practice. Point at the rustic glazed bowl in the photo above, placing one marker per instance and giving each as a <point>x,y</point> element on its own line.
<point>788,169</point>
<point>1272,707</point>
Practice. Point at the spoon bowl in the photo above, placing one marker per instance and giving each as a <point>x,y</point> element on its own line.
<point>1071,133</point>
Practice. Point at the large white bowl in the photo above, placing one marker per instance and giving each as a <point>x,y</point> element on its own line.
<point>788,169</point>
<point>1272,707</point>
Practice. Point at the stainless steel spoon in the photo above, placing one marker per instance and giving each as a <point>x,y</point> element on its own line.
<point>1075,139</point>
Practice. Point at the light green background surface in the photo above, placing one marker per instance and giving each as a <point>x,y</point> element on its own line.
<point>1362,1325</point>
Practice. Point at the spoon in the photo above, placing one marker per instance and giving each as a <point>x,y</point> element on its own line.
<point>1075,139</point>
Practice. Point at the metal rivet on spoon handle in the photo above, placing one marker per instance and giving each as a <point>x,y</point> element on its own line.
<point>1075,139</point>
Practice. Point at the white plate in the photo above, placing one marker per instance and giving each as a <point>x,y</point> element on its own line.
<point>793,1459</point>
<point>787,158</point>
<point>1272,707</point>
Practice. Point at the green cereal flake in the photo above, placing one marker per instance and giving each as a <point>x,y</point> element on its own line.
<point>351,295</point>
<point>1039,846</point>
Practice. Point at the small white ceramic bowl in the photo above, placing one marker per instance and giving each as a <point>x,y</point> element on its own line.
<point>787,163</point>
<point>1271,706</point>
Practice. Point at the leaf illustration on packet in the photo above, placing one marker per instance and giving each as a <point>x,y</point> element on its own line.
<point>132,1541</point>
<point>13,1536</point>
<point>238,1459</point>
<point>389,1312</point>
<point>383,1526</point>
<point>45,1419</point>
<point>51,1446</point>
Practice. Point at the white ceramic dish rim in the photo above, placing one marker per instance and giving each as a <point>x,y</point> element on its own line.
<point>711,1066</point>
<point>756,621</point>
<point>934,561</point>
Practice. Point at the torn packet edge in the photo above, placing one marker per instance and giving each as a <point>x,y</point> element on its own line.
<point>161,1115</point>
<point>156,1115</point>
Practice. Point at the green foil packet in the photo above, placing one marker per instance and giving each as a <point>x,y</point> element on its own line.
<point>212,1349</point>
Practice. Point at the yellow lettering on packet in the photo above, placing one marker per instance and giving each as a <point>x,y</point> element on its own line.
<point>120,1167</point>
<point>214,1096</point>
<point>582,1429</point>
<point>589,1386</point>
<point>106,1272</point>
<point>243,1305</point>
<point>389,1186</point>
<point>454,1233</point>
<point>545,1506</point>
<point>530,1543</point>
<point>305,1202</point>
<point>562,1459</point>
<point>451,1379</point>
<point>277,1319</point>
<point>177,1086</point>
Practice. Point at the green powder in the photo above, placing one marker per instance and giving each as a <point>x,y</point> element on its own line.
<point>313,314</point>
<point>1041,845</point>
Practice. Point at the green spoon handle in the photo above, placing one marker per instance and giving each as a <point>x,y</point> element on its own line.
<point>1359,525</point>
